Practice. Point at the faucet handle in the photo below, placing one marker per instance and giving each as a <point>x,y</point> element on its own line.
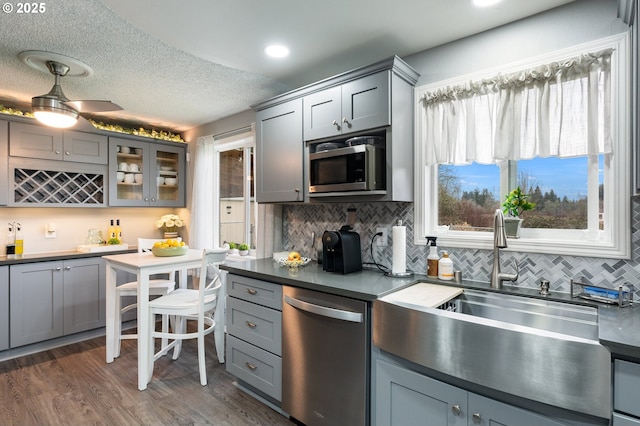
<point>514,277</point>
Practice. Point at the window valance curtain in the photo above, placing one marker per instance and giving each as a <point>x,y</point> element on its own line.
<point>559,109</point>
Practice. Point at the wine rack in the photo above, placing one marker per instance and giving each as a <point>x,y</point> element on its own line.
<point>49,187</point>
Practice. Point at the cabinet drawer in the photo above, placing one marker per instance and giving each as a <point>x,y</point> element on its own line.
<point>622,420</point>
<point>255,324</point>
<point>626,382</point>
<point>255,291</point>
<point>257,367</point>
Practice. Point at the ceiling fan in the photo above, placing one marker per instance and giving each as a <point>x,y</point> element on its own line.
<point>54,108</point>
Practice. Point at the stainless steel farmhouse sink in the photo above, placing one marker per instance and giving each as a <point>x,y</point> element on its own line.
<point>536,349</point>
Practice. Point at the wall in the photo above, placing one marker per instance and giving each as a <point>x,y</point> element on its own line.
<point>72,225</point>
<point>573,24</point>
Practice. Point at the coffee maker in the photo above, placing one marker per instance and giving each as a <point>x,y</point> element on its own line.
<point>341,251</point>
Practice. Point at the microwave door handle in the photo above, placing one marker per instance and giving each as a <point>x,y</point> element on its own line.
<point>324,310</point>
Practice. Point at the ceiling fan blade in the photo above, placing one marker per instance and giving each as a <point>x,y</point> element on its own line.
<point>93,106</point>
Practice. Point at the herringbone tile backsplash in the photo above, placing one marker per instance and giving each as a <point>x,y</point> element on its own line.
<point>300,220</point>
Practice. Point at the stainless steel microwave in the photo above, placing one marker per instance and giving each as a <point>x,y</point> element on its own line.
<point>350,168</point>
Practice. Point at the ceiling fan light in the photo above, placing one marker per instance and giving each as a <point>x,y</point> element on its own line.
<point>53,113</point>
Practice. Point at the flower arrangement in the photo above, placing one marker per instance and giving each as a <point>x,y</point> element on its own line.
<point>516,202</point>
<point>170,223</point>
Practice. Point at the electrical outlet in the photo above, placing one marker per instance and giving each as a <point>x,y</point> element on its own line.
<point>382,240</point>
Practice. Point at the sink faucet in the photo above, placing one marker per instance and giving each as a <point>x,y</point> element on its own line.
<point>500,241</point>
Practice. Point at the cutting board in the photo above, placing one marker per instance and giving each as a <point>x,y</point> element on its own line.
<point>425,294</point>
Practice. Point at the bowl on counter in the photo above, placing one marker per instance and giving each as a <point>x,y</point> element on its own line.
<point>169,251</point>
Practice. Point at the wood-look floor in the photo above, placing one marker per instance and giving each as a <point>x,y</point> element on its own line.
<point>73,385</point>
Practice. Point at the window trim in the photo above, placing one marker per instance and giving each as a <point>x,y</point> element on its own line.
<point>617,171</point>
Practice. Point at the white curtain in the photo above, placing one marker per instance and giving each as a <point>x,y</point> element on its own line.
<point>560,109</point>
<point>203,195</point>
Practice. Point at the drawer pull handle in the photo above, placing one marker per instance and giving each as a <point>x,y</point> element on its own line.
<point>251,324</point>
<point>250,366</point>
<point>252,291</point>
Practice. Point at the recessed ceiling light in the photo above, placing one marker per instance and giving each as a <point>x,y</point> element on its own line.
<point>277,51</point>
<point>484,3</point>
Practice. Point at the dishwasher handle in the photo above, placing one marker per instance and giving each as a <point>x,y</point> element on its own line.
<point>324,310</point>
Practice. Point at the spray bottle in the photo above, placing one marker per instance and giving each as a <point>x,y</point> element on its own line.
<point>432,258</point>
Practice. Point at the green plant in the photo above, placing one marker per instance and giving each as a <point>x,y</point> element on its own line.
<point>113,241</point>
<point>233,246</point>
<point>516,202</point>
<point>243,247</point>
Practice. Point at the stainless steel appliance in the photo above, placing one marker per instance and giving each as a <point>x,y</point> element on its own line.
<point>325,358</point>
<point>341,251</point>
<point>350,168</point>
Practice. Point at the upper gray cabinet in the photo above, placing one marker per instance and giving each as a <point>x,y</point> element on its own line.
<point>4,172</point>
<point>351,107</point>
<point>372,100</point>
<point>279,153</point>
<point>46,143</point>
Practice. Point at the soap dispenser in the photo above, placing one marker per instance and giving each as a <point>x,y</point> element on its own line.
<point>432,258</point>
<point>445,267</point>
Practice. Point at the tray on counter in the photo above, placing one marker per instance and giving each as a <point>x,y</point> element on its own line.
<point>98,248</point>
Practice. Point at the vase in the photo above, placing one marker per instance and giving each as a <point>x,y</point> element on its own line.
<point>512,227</point>
<point>170,235</point>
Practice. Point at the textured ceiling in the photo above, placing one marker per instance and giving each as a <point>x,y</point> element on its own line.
<point>179,64</point>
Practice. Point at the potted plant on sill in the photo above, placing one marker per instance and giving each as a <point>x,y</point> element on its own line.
<point>515,203</point>
<point>243,249</point>
<point>233,248</point>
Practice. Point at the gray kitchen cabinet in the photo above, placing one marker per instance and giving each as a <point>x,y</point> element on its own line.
<point>52,299</point>
<point>626,398</point>
<point>146,174</point>
<point>351,107</point>
<point>254,340</point>
<point>36,297</point>
<point>84,295</point>
<point>46,143</point>
<point>280,153</point>
<point>4,308</point>
<point>406,397</point>
<point>4,160</point>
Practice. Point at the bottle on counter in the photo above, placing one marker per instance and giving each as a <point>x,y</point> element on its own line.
<point>19,241</point>
<point>11,242</point>
<point>445,267</point>
<point>111,233</point>
<point>118,230</point>
<point>432,258</point>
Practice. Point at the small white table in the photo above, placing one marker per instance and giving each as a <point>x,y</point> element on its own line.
<point>144,265</point>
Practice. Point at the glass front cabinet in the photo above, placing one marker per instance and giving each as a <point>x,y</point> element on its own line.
<point>146,174</point>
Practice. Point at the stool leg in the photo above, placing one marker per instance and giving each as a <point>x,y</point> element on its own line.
<point>165,329</point>
<point>118,324</point>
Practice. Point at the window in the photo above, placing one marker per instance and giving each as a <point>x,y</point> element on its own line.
<point>568,149</point>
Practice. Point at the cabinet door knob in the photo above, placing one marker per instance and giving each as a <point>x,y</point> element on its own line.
<point>250,366</point>
<point>67,153</point>
<point>456,410</point>
<point>58,269</point>
<point>477,419</point>
<point>297,190</point>
<point>153,199</point>
<point>146,198</point>
<point>335,123</point>
<point>68,268</point>
<point>345,121</point>
<point>57,151</point>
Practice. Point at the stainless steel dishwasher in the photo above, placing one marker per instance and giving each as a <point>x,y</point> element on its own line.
<point>325,358</point>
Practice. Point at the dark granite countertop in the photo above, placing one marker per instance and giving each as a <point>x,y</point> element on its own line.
<point>57,255</point>
<point>619,328</point>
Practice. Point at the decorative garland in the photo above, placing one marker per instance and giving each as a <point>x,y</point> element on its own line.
<point>155,134</point>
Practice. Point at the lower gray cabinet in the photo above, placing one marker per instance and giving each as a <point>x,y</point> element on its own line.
<point>52,299</point>
<point>4,308</point>
<point>404,397</point>
<point>254,335</point>
<point>626,398</point>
